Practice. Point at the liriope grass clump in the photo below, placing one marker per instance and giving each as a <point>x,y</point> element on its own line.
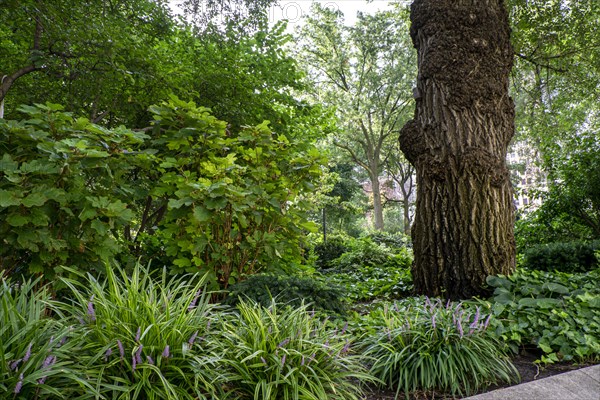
<point>432,346</point>
<point>276,352</point>
<point>35,351</point>
<point>137,333</point>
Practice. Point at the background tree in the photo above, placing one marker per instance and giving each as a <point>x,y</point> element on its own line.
<point>557,47</point>
<point>99,58</point>
<point>402,175</point>
<point>364,72</point>
<point>457,141</point>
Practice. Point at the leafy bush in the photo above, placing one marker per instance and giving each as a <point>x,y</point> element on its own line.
<point>290,290</point>
<point>392,240</point>
<point>365,252</point>
<point>575,256</point>
<point>35,352</point>
<point>328,251</point>
<point>366,283</point>
<point>559,313</point>
<point>433,346</point>
<point>63,191</point>
<point>272,354</point>
<point>369,270</point>
<point>136,335</point>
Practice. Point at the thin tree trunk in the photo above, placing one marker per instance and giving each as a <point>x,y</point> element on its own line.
<point>406,210</point>
<point>377,204</point>
<point>457,141</point>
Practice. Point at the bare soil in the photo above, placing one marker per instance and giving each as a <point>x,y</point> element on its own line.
<point>524,362</point>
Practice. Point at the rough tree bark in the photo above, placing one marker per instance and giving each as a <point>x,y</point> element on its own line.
<point>457,141</point>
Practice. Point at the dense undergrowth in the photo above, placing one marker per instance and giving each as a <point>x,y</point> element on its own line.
<point>147,335</point>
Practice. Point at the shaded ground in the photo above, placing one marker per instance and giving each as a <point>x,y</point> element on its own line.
<point>523,362</point>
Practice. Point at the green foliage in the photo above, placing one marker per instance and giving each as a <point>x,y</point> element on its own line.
<point>557,312</point>
<point>564,257</point>
<point>391,240</point>
<point>103,60</point>
<point>289,290</point>
<point>272,353</point>
<point>328,251</point>
<point>35,353</point>
<point>433,346</point>
<point>192,195</point>
<point>234,204</point>
<point>136,335</point>
<point>369,270</point>
<point>365,252</point>
<point>63,191</point>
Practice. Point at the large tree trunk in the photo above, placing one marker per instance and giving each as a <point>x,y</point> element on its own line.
<point>457,141</point>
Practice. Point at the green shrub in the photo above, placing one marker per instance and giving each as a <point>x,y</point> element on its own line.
<point>64,190</point>
<point>35,353</point>
<point>272,353</point>
<point>433,346</point>
<point>575,256</point>
<point>369,270</point>
<point>366,283</point>
<point>392,240</point>
<point>290,290</point>
<point>137,334</point>
<point>328,251</point>
<point>559,313</point>
<point>365,252</point>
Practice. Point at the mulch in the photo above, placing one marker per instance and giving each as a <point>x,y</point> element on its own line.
<point>524,362</point>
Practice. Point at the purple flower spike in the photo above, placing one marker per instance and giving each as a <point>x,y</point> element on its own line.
<point>121,350</point>
<point>284,342</point>
<point>150,360</point>
<point>19,384</point>
<point>346,347</point>
<point>477,315</point>
<point>263,360</point>
<point>460,328</point>
<point>107,354</point>
<point>487,321</point>
<point>433,320</point>
<point>27,353</point>
<point>166,352</point>
<point>302,362</point>
<point>91,312</point>
<point>50,360</point>
<point>133,363</point>
<point>138,354</point>
<point>138,334</point>
<point>344,329</point>
<point>283,360</point>
<point>193,338</point>
<point>195,300</point>
<point>15,364</point>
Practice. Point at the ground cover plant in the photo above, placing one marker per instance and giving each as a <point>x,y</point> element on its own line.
<point>291,291</point>
<point>427,345</point>
<point>555,312</point>
<point>136,334</point>
<point>369,270</point>
<point>272,353</point>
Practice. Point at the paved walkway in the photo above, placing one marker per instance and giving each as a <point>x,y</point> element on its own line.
<point>581,384</point>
